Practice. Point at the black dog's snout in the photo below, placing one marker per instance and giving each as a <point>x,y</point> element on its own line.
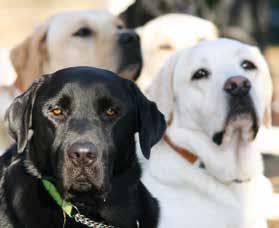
<point>128,38</point>
<point>83,153</point>
<point>237,86</point>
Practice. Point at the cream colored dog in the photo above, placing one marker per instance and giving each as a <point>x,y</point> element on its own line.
<point>207,171</point>
<point>91,38</point>
<point>168,34</point>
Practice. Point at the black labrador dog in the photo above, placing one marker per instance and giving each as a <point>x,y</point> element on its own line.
<point>75,161</point>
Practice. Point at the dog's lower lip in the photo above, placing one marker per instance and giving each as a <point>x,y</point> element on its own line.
<point>218,138</point>
<point>79,187</point>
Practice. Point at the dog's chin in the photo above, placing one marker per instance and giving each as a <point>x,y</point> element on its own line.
<point>79,190</point>
<point>131,71</point>
<point>81,187</point>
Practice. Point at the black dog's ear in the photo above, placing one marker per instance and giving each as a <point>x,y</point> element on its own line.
<point>151,122</point>
<point>18,117</point>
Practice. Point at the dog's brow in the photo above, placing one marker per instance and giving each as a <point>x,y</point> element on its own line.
<point>64,101</point>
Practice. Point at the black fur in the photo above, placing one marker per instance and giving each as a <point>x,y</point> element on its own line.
<point>84,94</point>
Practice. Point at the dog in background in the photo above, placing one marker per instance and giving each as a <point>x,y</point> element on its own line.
<point>165,35</point>
<point>80,38</point>
<point>215,97</point>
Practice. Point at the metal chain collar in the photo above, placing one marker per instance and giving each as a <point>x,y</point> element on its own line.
<point>79,218</point>
<point>90,223</point>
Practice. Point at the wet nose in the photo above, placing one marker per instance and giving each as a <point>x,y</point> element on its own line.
<point>128,38</point>
<point>237,86</point>
<point>83,154</point>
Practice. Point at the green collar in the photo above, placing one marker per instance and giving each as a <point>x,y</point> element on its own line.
<point>66,206</point>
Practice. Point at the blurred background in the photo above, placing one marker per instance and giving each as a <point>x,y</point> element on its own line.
<point>257,21</point>
<point>259,18</point>
<point>20,17</point>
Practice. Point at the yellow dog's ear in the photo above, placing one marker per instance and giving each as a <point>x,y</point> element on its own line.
<point>267,85</point>
<point>268,90</point>
<point>267,121</point>
<point>161,89</point>
<point>28,57</point>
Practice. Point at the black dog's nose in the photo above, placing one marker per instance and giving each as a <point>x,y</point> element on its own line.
<point>83,153</point>
<point>237,86</point>
<point>128,38</point>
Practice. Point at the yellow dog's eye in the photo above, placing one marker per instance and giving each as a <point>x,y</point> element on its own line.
<point>56,111</point>
<point>110,112</point>
<point>248,65</point>
<point>200,74</point>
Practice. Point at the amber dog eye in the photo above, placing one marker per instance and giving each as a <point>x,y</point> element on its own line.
<point>110,112</point>
<point>200,74</point>
<point>57,112</point>
<point>248,65</point>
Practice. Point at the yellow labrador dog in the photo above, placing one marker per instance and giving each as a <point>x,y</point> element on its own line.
<point>206,171</point>
<point>168,34</point>
<point>91,38</point>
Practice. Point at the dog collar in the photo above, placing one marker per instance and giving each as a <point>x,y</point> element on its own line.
<point>186,154</point>
<point>67,207</point>
<point>192,158</point>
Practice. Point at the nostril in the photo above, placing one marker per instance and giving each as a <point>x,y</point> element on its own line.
<point>247,84</point>
<point>74,155</point>
<point>91,156</point>
<point>230,86</point>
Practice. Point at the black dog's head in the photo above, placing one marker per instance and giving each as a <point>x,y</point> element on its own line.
<point>83,122</point>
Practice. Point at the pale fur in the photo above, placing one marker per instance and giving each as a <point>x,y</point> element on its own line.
<point>190,196</point>
<point>52,46</point>
<point>165,35</point>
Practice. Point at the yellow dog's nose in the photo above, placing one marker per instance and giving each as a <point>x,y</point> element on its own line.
<point>237,86</point>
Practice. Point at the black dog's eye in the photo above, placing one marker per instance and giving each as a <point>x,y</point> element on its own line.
<point>200,73</point>
<point>57,112</point>
<point>83,32</point>
<point>110,112</point>
<point>248,65</point>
